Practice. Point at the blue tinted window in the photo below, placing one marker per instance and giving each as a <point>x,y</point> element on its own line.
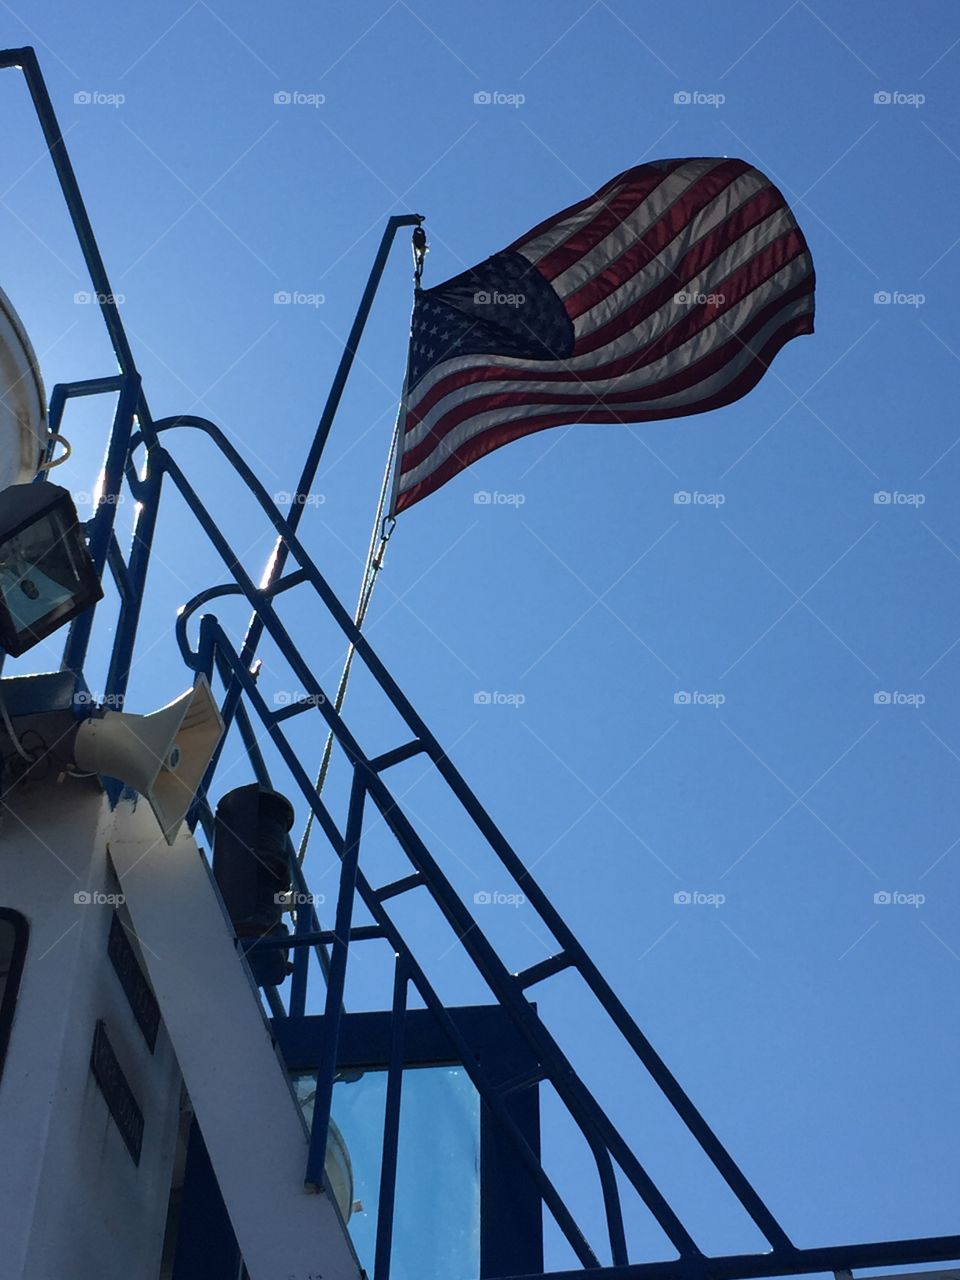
<point>436,1229</point>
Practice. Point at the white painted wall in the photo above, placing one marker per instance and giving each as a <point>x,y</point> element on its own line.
<point>73,1206</point>
<point>72,1202</point>
<point>251,1124</point>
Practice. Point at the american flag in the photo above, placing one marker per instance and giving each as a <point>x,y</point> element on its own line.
<point>666,293</point>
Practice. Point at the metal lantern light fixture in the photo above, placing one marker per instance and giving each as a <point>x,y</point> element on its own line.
<point>47,575</point>
<point>251,868</point>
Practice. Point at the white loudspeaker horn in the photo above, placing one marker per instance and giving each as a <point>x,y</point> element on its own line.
<point>163,756</point>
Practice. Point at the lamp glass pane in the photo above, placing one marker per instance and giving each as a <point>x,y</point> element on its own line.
<point>41,572</point>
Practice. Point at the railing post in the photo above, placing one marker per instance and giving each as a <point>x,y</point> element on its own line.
<point>327,1069</point>
<point>387,1199</point>
<point>278,560</point>
<point>104,518</point>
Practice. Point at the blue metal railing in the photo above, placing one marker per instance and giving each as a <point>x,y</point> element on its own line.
<point>604,1139</point>
<point>244,706</point>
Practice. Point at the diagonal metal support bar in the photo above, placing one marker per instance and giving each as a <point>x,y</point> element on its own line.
<point>335,984</point>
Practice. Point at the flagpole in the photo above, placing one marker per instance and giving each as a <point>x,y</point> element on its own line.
<point>374,563</point>
<point>384,522</point>
<point>390,519</point>
<point>420,251</point>
<point>312,460</point>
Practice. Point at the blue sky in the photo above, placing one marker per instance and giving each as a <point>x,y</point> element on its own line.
<point>813,1026</point>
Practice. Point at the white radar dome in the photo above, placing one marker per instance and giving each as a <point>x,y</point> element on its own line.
<point>23,404</point>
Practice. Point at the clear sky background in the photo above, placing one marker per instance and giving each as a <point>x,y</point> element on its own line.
<point>815,1027</point>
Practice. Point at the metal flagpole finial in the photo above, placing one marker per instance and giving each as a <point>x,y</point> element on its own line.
<point>420,251</point>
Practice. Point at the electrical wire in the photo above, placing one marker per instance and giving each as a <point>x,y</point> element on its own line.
<point>12,733</point>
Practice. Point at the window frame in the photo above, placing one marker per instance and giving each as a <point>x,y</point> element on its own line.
<point>11,990</point>
<point>511,1211</point>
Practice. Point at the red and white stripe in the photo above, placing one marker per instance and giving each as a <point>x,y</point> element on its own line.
<point>617,260</point>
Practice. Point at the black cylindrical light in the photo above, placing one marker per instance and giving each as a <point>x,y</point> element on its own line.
<point>251,869</point>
